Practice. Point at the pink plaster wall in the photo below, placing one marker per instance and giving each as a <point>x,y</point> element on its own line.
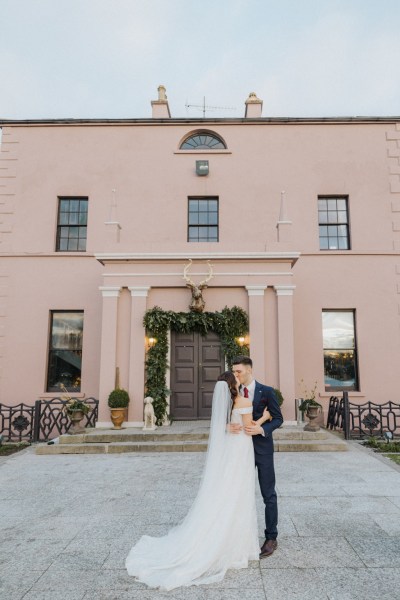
<point>153,180</point>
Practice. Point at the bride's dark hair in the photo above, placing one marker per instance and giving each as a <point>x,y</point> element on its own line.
<point>230,379</point>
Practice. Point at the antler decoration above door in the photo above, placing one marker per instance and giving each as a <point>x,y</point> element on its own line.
<point>197,304</point>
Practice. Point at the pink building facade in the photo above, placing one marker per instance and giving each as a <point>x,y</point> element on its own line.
<point>300,219</point>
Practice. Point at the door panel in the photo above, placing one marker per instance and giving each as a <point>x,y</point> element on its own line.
<point>196,363</point>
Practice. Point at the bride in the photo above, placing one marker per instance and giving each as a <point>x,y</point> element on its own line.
<point>220,530</point>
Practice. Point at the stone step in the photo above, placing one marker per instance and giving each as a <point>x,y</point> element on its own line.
<point>122,447</point>
<point>331,444</point>
<point>96,436</point>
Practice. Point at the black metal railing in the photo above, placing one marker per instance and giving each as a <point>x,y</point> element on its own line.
<point>363,420</point>
<point>42,421</point>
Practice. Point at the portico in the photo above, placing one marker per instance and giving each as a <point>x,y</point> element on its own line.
<point>260,283</point>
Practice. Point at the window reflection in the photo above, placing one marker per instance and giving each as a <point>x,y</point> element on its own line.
<point>65,351</point>
<point>340,354</point>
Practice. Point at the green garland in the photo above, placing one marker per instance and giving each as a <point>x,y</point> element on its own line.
<point>229,324</point>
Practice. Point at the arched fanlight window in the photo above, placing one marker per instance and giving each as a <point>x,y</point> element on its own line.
<point>203,140</point>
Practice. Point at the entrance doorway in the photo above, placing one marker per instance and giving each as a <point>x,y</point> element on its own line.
<point>196,362</point>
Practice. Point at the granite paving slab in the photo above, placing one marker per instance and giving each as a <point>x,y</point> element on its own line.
<point>376,551</point>
<point>360,584</point>
<point>67,523</point>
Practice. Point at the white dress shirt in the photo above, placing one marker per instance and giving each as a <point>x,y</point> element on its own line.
<point>251,389</point>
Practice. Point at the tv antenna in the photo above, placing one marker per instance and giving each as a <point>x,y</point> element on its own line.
<point>205,107</point>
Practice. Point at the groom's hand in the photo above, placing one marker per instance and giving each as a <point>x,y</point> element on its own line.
<point>253,429</point>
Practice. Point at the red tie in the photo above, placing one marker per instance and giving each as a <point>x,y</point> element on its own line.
<point>246,392</point>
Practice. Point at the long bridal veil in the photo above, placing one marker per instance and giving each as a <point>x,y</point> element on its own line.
<point>212,536</point>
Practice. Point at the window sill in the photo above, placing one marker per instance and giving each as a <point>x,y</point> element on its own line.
<point>202,152</point>
<point>60,394</point>
<point>340,392</point>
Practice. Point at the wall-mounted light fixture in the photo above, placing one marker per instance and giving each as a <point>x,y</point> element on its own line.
<point>241,340</point>
<point>202,167</point>
<point>152,341</point>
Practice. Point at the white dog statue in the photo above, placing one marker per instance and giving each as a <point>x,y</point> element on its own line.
<point>149,416</point>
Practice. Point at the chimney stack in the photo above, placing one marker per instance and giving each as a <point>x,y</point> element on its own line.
<point>160,108</point>
<point>253,106</point>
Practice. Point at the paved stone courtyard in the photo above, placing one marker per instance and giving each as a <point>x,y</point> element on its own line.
<point>67,523</point>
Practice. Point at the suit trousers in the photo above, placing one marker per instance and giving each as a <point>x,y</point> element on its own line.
<point>266,478</point>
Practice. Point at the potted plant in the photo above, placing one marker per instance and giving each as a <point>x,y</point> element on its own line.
<point>310,406</point>
<point>75,409</point>
<point>118,400</point>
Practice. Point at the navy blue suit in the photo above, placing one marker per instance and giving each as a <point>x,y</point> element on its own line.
<point>264,397</point>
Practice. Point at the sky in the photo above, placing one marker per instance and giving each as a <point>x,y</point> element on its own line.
<point>106,58</point>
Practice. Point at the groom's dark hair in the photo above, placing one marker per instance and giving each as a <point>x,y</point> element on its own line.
<point>242,360</point>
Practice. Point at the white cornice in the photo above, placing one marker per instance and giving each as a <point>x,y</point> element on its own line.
<point>164,256</point>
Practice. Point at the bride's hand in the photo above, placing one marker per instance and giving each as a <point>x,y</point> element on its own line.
<point>234,428</point>
<point>267,414</point>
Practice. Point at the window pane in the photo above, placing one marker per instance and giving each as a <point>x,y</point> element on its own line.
<point>82,232</point>
<point>63,245</point>
<point>338,329</point>
<point>332,204</point>
<point>73,244</point>
<point>340,370</point>
<point>74,205</point>
<point>203,205</point>
<point>332,231</point>
<point>332,217</point>
<point>64,205</point>
<point>73,232</point>
<point>323,243</point>
<point>323,217</point>
<point>82,244</point>
<point>322,204</point>
<point>193,218</point>
<point>203,218</point>
<point>342,204</point>
<point>213,233</point>
<point>213,218</point>
<point>63,219</point>
<point>193,205</point>
<point>73,218</point>
<point>323,230</point>
<point>83,218</point>
<point>342,216</point>
<point>213,205</point>
<point>83,205</point>
<point>343,243</point>
<point>193,233</point>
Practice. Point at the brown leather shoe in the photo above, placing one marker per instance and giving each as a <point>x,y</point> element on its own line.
<point>268,548</point>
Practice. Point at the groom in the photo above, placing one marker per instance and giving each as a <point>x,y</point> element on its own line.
<point>262,396</point>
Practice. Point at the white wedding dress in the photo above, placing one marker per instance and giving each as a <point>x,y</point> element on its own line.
<point>220,530</point>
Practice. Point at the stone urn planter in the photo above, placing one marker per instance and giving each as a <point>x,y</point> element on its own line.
<point>76,416</point>
<point>312,413</point>
<point>75,409</point>
<point>311,407</point>
<point>118,401</point>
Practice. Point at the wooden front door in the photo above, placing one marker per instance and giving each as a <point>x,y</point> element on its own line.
<point>196,362</point>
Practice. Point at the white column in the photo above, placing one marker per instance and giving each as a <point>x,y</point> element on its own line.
<point>108,351</point>
<point>287,385</point>
<point>137,355</point>
<point>257,329</point>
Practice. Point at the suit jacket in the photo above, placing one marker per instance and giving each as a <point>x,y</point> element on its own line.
<point>264,397</point>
